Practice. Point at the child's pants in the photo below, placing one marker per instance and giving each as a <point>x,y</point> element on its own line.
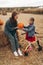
<point>13,40</point>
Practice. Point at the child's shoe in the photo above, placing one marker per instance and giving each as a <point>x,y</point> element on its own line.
<point>25,53</point>
<point>15,53</point>
<point>19,52</point>
<point>30,48</point>
<point>40,48</point>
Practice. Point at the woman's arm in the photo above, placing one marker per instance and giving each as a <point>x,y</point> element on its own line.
<point>9,26</point>
<point>15,28</point>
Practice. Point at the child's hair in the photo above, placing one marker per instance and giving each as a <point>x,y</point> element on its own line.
<point>32,19</point>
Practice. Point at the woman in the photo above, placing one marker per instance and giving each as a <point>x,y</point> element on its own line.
<point>12,34</point>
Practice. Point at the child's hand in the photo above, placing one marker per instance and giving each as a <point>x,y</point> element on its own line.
<point>36,33</point>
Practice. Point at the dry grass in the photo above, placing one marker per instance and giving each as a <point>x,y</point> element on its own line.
<point>35,57</point>
<point>34,11</point>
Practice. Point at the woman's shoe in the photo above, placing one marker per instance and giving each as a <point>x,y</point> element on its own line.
<point>19,52</point>
<point>15,53</point>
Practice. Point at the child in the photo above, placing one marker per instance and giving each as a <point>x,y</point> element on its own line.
<point>30,34</point>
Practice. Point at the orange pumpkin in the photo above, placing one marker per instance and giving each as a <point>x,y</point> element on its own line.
<point>20,25</point>
<point>1,22</point>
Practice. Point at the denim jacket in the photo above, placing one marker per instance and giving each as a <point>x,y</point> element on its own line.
<point>30,29</point>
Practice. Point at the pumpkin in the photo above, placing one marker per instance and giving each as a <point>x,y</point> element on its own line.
<point>1,22</point>
<point>20,25</point>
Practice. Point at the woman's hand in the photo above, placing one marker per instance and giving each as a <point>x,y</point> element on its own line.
<point>15,28</point>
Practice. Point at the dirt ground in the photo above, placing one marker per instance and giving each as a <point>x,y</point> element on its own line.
<point>35,57</point>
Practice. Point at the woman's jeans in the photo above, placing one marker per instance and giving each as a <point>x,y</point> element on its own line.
<point>13,40</point>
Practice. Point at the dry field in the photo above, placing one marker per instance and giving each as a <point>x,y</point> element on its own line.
<point>35,57</point>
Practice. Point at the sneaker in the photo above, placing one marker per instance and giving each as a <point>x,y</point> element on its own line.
<point>25,53</point>
<point>20,53</point>
<point>30,48</point>
<point>15,53</point>
<point>40,48</point>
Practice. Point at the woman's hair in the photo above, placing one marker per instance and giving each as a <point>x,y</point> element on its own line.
<point>12,20</point>
<point>14,14</point>
<point>32,19</point>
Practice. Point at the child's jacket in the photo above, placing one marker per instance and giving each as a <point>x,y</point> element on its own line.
<point>30,29</point>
